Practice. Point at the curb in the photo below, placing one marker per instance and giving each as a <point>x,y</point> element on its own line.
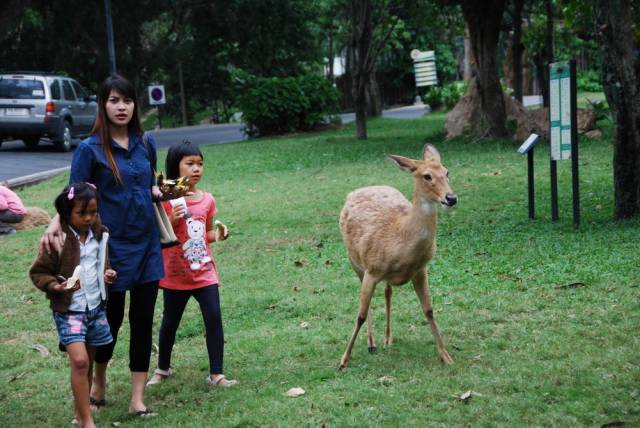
<point>26,180</point>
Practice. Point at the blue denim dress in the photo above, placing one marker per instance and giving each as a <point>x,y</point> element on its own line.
<point>127,209</point>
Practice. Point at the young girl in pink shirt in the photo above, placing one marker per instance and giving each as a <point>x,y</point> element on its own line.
<point>189,267</point>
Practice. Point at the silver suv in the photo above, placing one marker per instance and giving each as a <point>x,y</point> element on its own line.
<point>35,105</point>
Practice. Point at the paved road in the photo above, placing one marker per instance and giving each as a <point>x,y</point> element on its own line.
<point>18,163</point>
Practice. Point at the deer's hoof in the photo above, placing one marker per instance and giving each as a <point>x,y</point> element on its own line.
<point>373,349</point>
<point>444,356</point>
<point>342,366</point>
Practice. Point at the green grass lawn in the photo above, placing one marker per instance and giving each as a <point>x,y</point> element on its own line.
<point>538,352</point>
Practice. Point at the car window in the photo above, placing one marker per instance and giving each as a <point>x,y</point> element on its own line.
<point>80,92</point>
<point>22,89</point>
<point>68,91</point>
<point>55,89</point>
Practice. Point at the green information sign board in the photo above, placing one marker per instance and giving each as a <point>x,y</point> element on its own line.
<point>560,110</point>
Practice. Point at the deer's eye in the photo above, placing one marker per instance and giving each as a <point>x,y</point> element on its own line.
<point>447,174</point>
<point>428,177</point>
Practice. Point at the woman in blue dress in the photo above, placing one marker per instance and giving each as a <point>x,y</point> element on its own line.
<point>120,163</point>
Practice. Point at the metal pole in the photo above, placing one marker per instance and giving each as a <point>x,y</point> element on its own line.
<point>532,202</point>
<point>110,44</point>
<point>574,145</point>
<point>553,169</point>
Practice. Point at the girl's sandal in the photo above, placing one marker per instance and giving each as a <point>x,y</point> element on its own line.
<point>221,381</point>
<point>159,376</point>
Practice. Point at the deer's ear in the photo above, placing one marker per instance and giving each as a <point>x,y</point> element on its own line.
<point>429,152</point>
<point>403,163</point>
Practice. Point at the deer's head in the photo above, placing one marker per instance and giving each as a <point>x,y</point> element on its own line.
<point>431,177</point>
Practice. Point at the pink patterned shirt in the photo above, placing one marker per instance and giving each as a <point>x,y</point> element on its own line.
<point>190,265</point>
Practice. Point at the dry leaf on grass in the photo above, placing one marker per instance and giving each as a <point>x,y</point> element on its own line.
<point>466,396</point>
<point>295,392</point>
<point>386,379</point>
<point>41,348</point>
<point>491,174</point>
<point>17,376</point>
<point>304,325</point>
<point>572,285</point>
<point>296,288</point>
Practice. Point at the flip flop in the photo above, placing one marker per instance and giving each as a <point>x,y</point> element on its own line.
<point>97,403</point>
<point>146,413</point>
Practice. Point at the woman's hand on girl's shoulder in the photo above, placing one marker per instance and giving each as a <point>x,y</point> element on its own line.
<point>53,238</point>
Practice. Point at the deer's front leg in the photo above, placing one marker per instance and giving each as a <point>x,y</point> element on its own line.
<point>366,292</point>
<point>421,285</point>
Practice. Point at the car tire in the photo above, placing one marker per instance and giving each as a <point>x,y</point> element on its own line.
<point>32,141</point>
<point>64,140</point>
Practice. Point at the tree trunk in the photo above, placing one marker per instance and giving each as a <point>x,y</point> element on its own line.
<point>361,61</point>
<point>620,75</point>
<point>549,54</point>
<point>484,19</point>
<point>331,54</point>
<point>517,48</point>
<point>183,100</point>
<point>374,98</point>
<point>468,55</point>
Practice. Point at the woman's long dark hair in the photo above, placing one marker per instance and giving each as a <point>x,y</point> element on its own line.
<point>117,83</point>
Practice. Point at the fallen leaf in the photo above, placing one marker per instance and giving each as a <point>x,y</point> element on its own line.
<point>491,174</point>
<point>466,396</point>
<point>572,285</point>
<point>386,379</point>
<point>296,288</point>
<point>304,324</point>
<point>295,392</point>
<point>41,348</point>
<point>272,306</point>
<point>116,424</point>
<point>17,376</point>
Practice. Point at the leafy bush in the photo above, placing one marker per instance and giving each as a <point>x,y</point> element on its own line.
<point>434,97</point>
<point>589,81</point>
<point>446,96</point>
<point>284,104</point>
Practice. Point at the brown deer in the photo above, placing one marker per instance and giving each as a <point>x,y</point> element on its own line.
<point>390,239</point>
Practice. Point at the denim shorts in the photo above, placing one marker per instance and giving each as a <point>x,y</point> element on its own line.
<point>90,327</point>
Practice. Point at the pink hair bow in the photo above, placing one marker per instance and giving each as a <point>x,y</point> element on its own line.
<point>71,193</point>
<point>93,186</point>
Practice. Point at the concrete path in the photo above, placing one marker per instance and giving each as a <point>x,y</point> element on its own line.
<point>20,165</point>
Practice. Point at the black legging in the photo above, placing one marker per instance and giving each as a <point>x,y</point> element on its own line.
<point>141,306</point>
<point>174,303</point>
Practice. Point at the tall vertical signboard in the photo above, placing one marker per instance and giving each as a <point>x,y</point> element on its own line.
<point>563,130</point>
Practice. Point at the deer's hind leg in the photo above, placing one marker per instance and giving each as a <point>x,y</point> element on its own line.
<point>421,286</point>
<point>371,341</point>
<point>366,292</point>
<point>388,291</point>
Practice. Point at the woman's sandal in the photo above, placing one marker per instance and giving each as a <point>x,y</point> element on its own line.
<point>159,376</point>
<point>221,381</point>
